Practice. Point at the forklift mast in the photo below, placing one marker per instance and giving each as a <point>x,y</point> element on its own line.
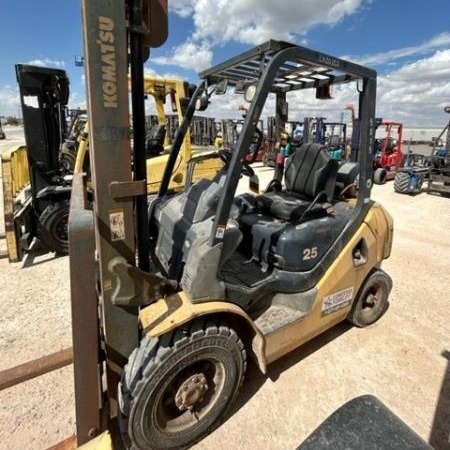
<point>110,231</point>
<point>44,93</point>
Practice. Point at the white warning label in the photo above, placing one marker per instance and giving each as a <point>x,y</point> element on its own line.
<point>220,232</point>
<point>339,300</point>
<point>117,224</point>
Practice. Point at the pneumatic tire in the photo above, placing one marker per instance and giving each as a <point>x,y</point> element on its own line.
<point>53,227</point>
<point>402,181</point>
<point>67,161</point>
<point>372,301</point>
<point>178,388</point>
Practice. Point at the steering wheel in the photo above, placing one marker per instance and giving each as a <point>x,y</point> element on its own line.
<point>246,169</point>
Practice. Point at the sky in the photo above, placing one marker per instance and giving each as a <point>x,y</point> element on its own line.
<point>406,42</point>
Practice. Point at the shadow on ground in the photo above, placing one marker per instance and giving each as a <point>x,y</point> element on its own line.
<point>254,379</point>
<point>38,254</point>
<point>440,430</point>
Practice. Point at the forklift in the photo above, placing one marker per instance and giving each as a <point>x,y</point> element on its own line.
<point>334,136</point>
<point>438,177</point>
<point>331,134</point>
<point>388,155</point>
<point>172,295</point>
<point>70,146</point>
<point>38,206</point>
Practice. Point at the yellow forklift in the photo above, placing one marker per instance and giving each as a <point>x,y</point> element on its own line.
<point>37,177</point>
<point>172,295</point>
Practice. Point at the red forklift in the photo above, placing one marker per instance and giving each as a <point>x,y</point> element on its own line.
<point>387,154</point>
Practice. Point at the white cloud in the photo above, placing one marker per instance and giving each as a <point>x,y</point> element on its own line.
<point>440,41</point>
<point>189,55</point>
<point>150,72</point>
<point>417,92</point>
<point>217,22</point>
<point>414,94</point>
<point>254,21</point>
<point>9,101</point>
<point>183,8</point>
<point>47,62</point>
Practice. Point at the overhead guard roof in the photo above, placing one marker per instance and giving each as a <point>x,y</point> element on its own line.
<point>307,69</point>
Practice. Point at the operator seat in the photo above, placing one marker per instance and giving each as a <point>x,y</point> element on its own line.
<point>154,143</point>
<point>270,222</point>
<point>310,178</point>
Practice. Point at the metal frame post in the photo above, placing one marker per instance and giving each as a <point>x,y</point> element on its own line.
<point>105,42</point>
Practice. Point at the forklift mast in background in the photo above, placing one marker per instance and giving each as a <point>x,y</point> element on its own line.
<point>437,140</point>
<point>36,194</point>
<point>44,94</point>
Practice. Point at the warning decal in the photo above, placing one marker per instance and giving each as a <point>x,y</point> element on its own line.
<point>117,224</point>
<point>339,300</point>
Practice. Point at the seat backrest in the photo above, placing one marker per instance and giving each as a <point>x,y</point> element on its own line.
<point>311,170</point>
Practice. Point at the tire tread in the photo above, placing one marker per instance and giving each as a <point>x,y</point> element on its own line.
<point>152,352</point>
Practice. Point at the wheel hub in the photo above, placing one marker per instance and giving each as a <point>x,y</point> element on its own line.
<point>191,391</point>
<point>370,301</point>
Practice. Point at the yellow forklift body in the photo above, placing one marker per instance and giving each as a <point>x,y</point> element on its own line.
<point>342,280</point>
<point>15,178</point>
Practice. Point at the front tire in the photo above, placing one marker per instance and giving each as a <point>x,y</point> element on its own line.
<point>53,227</point>
<point>178,388</point>
<point>372,301</point>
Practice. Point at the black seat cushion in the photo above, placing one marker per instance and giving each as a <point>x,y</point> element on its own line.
<point>288,207</point>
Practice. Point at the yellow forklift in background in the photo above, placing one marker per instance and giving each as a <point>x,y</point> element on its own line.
<point>158,138</point>
<point>172,295</point>
<point>37,177</point>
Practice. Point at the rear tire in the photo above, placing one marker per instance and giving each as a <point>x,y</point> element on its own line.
<point>372,301</point>
<point>53,227</point>
<point>178,388</point>
<point>379,176</point>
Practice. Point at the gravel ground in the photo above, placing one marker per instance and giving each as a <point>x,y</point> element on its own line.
<point>400,359</point>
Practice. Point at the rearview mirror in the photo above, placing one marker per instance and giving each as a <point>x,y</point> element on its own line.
<point>202,103</point>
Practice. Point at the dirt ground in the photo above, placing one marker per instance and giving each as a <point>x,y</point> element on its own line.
<point>403,359</point>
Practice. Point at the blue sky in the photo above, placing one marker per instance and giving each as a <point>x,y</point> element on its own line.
<point>408,43</point>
